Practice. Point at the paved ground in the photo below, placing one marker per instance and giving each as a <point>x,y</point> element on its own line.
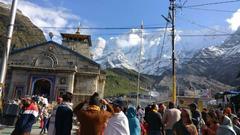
<point>35,130</point>
<point>8,130</point>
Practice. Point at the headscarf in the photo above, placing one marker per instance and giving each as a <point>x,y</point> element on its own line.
<point>134,124</point>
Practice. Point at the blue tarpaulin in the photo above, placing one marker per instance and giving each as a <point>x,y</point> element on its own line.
<point>231,92</point>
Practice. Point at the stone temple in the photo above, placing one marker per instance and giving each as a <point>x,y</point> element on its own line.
<point>52,69</point>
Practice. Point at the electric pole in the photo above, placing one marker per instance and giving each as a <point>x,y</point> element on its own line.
<point>174,92</point>
<point>7,47</point>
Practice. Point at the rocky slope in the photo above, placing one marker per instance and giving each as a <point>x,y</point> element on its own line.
<point>187,84</point>
<point>25,32</point>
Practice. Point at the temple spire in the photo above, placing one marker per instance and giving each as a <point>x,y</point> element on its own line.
<point>78,28</point>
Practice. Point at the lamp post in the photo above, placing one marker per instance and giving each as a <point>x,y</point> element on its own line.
<point>7,47</point>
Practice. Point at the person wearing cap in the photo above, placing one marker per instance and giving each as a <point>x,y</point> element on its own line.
<point>92,120</point>
<point>64,114</point>
<point>196,115</point>
<point>170,117</point>
<point>118,123</point>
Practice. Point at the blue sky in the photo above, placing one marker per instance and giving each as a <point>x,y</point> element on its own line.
<point>119,13</point>
<point>129,13</point>
<point>125,13</point>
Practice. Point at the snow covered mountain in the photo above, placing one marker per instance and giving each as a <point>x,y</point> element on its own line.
<point>218,62</point>
<point>123,51</point>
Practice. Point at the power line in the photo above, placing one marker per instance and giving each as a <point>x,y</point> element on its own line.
<point>191,58</point>
<point>207,4</point>
<point>207,35</point>
<point>181,35</point>
<point>163,41</point>
<point>200,25</point>
<point>213,10</point>
<point>93,28</point>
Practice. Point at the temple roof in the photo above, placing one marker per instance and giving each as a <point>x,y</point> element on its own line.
<point>76,37</point>
<point>61,46</point>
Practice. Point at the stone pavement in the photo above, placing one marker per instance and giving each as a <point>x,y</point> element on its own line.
<point>8,130</point>
<point>35,130</point>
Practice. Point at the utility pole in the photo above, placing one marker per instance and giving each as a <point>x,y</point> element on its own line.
<point>139,67</point>
<point>174,92</point>
<point>7,47</point>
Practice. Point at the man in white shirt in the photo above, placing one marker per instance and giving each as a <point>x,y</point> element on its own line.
<point>170,117</point>
<point>118,123</point>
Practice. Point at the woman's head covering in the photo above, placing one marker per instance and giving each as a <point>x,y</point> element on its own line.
<point>131,112</point>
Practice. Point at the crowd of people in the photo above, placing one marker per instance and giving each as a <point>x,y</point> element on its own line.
<point>97,116</point>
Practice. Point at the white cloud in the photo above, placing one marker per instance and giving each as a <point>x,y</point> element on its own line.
<point>99,47</point>
<point>134,39</point>
<point>50,17</point>
<point>127,40</point>
<point>234,22</point>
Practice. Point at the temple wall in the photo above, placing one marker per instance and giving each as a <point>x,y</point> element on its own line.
<point>64,69</point>
<point>81,47</point>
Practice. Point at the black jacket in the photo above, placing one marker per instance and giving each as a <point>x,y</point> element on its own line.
<point>154,121</point>
<point>63,120</point>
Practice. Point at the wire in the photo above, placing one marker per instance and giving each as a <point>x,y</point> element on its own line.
<point>207,35</point>
<point>213,3</point>
<point>163,42</point>
<point>181,35</point>
<point>213,10</point>
<point>93,28</point>
<point>200,25</point>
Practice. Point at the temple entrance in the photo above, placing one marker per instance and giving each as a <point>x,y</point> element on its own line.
<point>42,87</point>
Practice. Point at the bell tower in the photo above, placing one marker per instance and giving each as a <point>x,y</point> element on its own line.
<point>77,42</point>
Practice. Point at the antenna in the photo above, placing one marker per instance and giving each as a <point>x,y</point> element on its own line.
<point>78,28</point>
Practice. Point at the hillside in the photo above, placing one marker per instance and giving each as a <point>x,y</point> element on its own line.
<point>193,83</point>
<point>122,81</point>
<point>218,62</point>
<point>25,32</point>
